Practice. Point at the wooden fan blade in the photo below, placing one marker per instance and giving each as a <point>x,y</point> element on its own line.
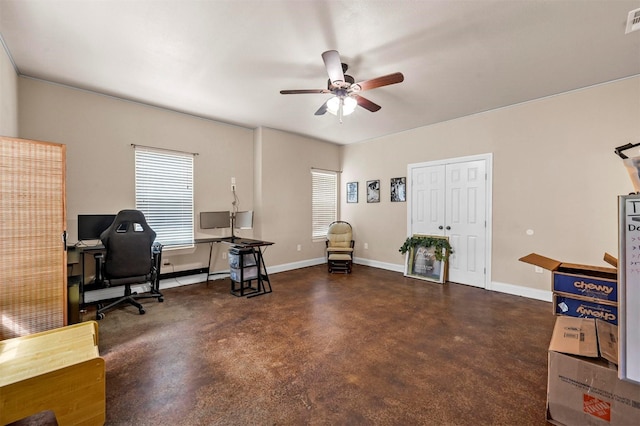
<point>295,92</point>
<point>332,62</point>
<point>366,103</point>
<point>378,82</point>
<point>322,109</point>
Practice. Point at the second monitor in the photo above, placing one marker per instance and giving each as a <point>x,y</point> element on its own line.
<point>213,220</point>
<point>225,219</point>
<point>243,220</point>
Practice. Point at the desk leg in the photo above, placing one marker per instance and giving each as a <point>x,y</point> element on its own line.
<point>262,277</point>
<point>209,264</point>
<point>99,257</point>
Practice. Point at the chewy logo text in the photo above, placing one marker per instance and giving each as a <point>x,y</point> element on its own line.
<point>607,316</point>
<point>593,287</point>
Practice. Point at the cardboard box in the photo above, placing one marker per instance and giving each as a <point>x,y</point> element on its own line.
<point>575,336</point>
<point>576,306</point>
<point>583,389</point>
<point>594,282</point>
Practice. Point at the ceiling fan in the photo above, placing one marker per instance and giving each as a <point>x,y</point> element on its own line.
<point>344,89</point>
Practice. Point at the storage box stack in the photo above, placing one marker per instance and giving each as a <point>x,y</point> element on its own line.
<point>242,264</point>
<point>581,291</point>
<point>583,385</point>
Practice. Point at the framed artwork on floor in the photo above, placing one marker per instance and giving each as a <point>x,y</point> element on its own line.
<point>373,191</point>
<point>398,189</point>
<point>352,192</point>
<point>421,262</point>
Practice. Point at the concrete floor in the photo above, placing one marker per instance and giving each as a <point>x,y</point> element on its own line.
<point>369,348</point>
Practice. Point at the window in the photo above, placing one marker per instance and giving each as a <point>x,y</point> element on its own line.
<point>164,193</point>
<point>324,201</point>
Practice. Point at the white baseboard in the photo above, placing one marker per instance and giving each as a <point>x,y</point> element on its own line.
<point>296,265</point>
<point>518,290</point>
<point>380,265</point>
<point>113,292</point>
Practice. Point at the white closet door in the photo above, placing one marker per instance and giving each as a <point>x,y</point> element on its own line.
<point>465,221</point>
<point>428,195</point>
<point>451,200</point>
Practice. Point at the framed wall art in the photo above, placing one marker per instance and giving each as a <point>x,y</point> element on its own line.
<point>398,189</point>
<point>352,192</point>
<point>423,262</point>
<point>373,191</point>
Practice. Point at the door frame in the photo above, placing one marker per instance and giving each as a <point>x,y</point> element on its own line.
<point>488,158</point>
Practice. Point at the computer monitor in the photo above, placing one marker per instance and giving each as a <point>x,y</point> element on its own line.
<point>244,220</point>
<point>213,220</point>
<point>90,226</point>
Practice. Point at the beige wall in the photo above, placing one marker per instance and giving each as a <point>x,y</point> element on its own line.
<point>554,171</point>
<point>8,96</point>
<point>285,161</point>
<point>99,130</point>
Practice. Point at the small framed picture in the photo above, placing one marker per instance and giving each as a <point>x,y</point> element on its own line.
<point>373,191</point>
<point>352,192</point>
<point>421,263</point>
<point>398,189</point>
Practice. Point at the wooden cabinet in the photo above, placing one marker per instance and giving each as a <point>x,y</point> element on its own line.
<point>33,283</point>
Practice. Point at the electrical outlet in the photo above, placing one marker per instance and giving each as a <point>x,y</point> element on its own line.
<point>299,247</point>
<point>538,269</point>
<point>366,246</point>
<point>224,254</point>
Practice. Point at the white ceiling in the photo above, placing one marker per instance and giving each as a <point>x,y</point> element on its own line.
<point>228,60</point>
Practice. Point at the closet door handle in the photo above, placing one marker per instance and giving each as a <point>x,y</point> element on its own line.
<point>448,228</point>
<point>440,227</point>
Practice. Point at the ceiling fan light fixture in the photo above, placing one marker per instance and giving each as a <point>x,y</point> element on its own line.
<point>348,105</point>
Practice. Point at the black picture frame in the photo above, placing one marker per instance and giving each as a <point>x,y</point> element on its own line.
<point>373,191</point>
<point>398,190</point>
<point>352,192</point>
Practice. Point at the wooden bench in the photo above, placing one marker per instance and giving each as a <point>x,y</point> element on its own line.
<point>58,370</point>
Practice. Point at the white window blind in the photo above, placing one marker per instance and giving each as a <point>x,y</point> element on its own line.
<point>324,201</point>
<point>164,193</point>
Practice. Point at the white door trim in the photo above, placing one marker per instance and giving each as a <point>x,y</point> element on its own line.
<point>489,201</point>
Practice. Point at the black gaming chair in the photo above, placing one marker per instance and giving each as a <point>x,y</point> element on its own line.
<point>129,258</point>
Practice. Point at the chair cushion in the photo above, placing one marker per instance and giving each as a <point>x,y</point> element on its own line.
<point>340,256</point>
<point>339,249</point>
<point>339,235</point>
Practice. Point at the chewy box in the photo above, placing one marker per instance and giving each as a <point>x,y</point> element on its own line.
<point>596,282</point>
<point>572,306</point>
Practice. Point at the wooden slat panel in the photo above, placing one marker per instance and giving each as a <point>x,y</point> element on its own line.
<point>32,220</point>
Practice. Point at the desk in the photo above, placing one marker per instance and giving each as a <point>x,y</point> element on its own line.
<point>98,252</point>
<point>262,278</point>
